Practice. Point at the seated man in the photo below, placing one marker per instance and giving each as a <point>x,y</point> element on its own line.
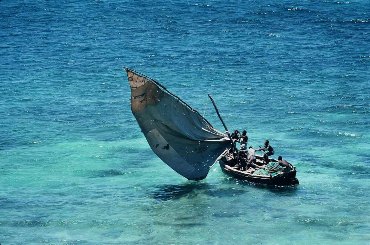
<point>230,158</point>
<point>251,155</point>
<point>266,159</point>
<point>251,159</point>
<point>242,160</point>
<point>284,163</point>
<point>280,163</point>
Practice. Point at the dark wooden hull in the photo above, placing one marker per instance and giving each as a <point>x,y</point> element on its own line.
<point>282,179</point>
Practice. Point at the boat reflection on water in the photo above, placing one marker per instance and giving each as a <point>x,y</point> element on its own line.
<point>193,190</point>
<point>173,192</point>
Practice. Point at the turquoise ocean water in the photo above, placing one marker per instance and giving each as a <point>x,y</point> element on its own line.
<point>75,168</point>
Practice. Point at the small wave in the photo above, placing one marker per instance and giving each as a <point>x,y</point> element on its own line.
<point>225,192</point>
<point>312,221</point>
<point>355,175</point>
<point>203,5</point>
<point>106,173</point>
<point>185,85</point>
<point>298,9</point>
<point>182,225</point>
<point>243,20</point>
<point>347,134</point>
<point>296,128</point>
<point>29,223</point>
<point>274,35</point>
<point>360,20</point>
<point>338,21</point>
<point>311,132</point>
<point>295,9</point>
<point>348,108</point>
<point>227,214</point>
<point>342,2</point>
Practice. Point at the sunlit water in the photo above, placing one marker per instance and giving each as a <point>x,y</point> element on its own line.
<point>75,168</point>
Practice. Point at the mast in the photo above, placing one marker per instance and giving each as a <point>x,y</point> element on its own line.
<point>222,121</point>
<point>218,113</point>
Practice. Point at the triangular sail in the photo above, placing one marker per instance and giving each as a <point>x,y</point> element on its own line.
<point>179,135</point>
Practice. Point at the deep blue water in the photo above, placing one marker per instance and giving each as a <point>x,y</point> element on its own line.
<point>75,168</point>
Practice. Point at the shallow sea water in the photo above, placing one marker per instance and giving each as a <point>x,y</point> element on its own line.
<point>75,168</point>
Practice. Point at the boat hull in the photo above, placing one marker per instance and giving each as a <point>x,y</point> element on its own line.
<point>282,179</point>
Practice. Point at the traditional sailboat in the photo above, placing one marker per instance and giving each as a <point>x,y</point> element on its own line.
<point>179,135</point>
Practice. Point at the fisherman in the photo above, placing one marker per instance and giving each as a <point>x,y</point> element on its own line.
<point>235,136</point>
<point>234,159</point>
<point>280,163</point>
<point>266,159</point>
<point>251,160</point>
<point>243,139</point>
<point>284,163</point>
<point>251,155</point>
<point>269,151</point>
<point>242,160</point>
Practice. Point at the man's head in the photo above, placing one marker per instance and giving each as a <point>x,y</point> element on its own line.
<point>280,158</point>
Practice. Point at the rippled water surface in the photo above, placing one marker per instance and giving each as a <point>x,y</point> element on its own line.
<point>75,168</point>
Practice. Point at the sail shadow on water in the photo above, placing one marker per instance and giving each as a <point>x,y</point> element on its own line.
<point>174,192</point>
<point>193,190</point>
<point>106,173</point>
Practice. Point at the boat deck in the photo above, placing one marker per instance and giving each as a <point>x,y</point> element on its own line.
<point>269,174</point>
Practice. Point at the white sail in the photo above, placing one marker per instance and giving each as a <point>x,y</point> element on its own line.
<point>179,135</point>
